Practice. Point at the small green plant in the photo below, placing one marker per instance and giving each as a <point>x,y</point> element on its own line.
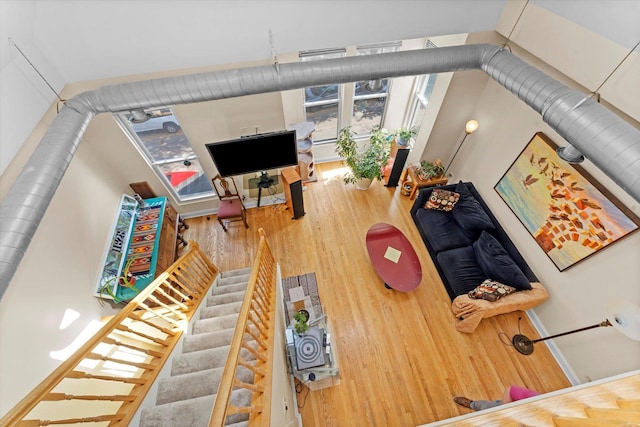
<point>404,135</point>
<point>428,170</point>
<point>301,324</point>
<point>127,279</point>
<point>367,164</point>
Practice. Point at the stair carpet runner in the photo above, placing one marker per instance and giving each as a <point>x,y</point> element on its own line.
<point>186,398</point>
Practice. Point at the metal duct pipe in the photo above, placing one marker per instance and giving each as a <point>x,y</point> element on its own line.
<point>223,84</point>
<point>612,144</point>
<point>139,116</point>
<point>570,154</point>
<point>607,140</point>
<point>28,198</point>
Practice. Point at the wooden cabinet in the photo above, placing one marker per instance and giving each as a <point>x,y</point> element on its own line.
<point>167,247</point>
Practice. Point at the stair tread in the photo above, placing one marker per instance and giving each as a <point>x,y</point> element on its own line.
<point>239,271</point>
<point>207,340</point>
<point>583,422</point>
<point>619,414</point>
<point>193,413</point>
<point>199,360</point>
<point>215,323</point>
<point>230,288</point>
<point>221,309</point>
<point>188,386</point>
<point>224,298</point>
<point>629,403</point>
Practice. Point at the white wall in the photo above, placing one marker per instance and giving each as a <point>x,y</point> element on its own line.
<point>22,104</point>
<point>57,274</point>
<point>25,96</point>
<point>506,125</point>
<point>580,53</point>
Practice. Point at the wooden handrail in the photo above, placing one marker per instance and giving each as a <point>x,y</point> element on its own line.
<point>256,322</point>
<point>139,339</point>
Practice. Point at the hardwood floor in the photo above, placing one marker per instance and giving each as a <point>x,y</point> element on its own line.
<point>401,359</point>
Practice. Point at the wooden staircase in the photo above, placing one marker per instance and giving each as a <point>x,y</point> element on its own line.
<point>187,396</point>
<point>626,413</point>
<point>106,380</point>
<point>612,401</point>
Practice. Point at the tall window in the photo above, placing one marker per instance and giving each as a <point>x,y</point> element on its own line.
<point>423,88</point>
<point>370,96</point>
<point>165,147</point>
<point>322,103</point>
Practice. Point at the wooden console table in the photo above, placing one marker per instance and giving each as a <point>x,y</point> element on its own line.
<point>410,177</point>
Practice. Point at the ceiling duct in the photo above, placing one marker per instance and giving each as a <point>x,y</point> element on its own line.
<point>139,116</point>
<point>608,141</point>
<point>373,86</point>
<point>570,154</point>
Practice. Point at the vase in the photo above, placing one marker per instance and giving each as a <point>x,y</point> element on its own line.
<point>363,183</point>
<point>305,313</point>
<point>402,142</point>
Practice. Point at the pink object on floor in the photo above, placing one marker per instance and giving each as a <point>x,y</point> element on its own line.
<point>518,393</point>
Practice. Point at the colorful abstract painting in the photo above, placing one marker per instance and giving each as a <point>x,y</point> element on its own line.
<point>566,211</point>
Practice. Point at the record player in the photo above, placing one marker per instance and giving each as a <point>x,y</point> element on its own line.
<point>309,348</point>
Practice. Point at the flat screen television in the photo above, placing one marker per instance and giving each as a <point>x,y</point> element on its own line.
<point>255,153</point>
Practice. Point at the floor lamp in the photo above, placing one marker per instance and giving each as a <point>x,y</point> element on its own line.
<point>470,127</point>
<point>621,314</point>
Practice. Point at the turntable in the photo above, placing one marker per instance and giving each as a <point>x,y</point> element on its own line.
<point>309,349</point>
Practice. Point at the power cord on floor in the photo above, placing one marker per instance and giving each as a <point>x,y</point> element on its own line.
<point>502,335</point>
<point>301,386</point>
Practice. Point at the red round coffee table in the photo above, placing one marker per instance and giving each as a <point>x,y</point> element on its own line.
<point>393,257</point>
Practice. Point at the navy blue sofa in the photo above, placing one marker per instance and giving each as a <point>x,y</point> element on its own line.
<point>462,243</point>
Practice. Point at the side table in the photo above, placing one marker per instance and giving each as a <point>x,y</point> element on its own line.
<point>411,178</point>
<point>312,357</point>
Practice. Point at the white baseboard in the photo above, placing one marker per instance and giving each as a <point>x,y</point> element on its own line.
<point>553,348</point>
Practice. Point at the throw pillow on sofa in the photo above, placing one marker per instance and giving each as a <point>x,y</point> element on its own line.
<point>490,290</point>
<point>497,264</point>
<point>469,213</point>
<point>442,200</point>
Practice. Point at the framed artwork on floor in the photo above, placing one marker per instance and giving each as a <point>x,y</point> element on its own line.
<point>568,213</point>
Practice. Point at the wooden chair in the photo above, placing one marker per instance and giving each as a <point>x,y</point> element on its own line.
<point>231,207</point>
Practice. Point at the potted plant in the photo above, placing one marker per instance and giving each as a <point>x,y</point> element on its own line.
<point>404,135</point>
<point>301,317</point>
<point>364,166</point>
<point>429,170</point>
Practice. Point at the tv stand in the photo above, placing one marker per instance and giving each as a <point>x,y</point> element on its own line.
<point>265,182</point>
